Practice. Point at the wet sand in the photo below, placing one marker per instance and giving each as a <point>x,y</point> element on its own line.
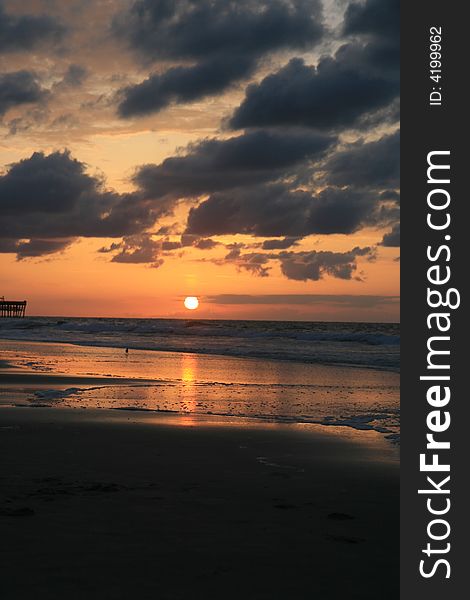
<point>117,504</point>
<point>66,375</point>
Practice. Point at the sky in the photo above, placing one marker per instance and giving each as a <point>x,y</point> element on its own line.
<point>245,152</point>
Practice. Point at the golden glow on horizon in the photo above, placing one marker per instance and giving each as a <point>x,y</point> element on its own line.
<point>191,302</point>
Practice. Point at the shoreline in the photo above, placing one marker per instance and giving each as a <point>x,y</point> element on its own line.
<point>149,417</point>
<point>107,503</point>
<point>190,352</point>
<point>46,390</point>
<point>324,343</point>
<point>57,375</point>
<point>391,437</point>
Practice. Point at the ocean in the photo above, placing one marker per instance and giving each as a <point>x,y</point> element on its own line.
<point>372,345</point>
<point>342,374</point>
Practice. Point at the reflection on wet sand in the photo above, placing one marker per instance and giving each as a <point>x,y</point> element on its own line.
<point>94,377</point>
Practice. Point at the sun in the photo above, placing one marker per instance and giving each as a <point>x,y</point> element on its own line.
<point>191,302</point>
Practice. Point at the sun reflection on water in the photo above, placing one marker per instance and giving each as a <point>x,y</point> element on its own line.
<point>188,377</point>
<point>188,368</point>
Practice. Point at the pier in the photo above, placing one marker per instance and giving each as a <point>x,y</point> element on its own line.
<point>14,309</point>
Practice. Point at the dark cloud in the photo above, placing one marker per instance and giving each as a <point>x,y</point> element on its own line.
<point>358,86</point>
<point>346,300</point>
<point>378,23</point>
<point>283,244</point>
<point>206,244</point>
<point>335,94</point>
<point>181,84</point>
<point>255,263</point>
<point>51,196</point>
<point>37,247</point>
<point>48,200</point>
<point>174,228</point>
<point>222,40</point>
<point>304,266</point>
<point>111,248</point>
<point>139,249</point>
<point>212,165</point>
<point>8,245</point>
<point>367,164</point>
<point>27,32</point>
<point>377,18</point>
<point>275,210</point>
<point>201,28</point>
<point>383,117</point>
<point>145,249</point>
<point>280,179</point>
<point>392,238</point>
<point>391,195</point>
<point>299,266</point>
<point>168,245</point>
<point>188,239</point>
<point>75,76</point>
<point>33,248</point>
<point>17,88</point>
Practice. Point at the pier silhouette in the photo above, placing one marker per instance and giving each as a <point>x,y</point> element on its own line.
<point>12,308</point>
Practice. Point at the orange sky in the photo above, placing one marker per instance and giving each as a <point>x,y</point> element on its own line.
<point>82,118</point>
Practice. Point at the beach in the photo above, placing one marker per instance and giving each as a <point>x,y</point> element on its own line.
<point>175,475</point>
<point>200,299</point>
<point>114,504</point>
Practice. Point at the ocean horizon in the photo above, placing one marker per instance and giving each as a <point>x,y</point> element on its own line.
<point>370,345</point>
